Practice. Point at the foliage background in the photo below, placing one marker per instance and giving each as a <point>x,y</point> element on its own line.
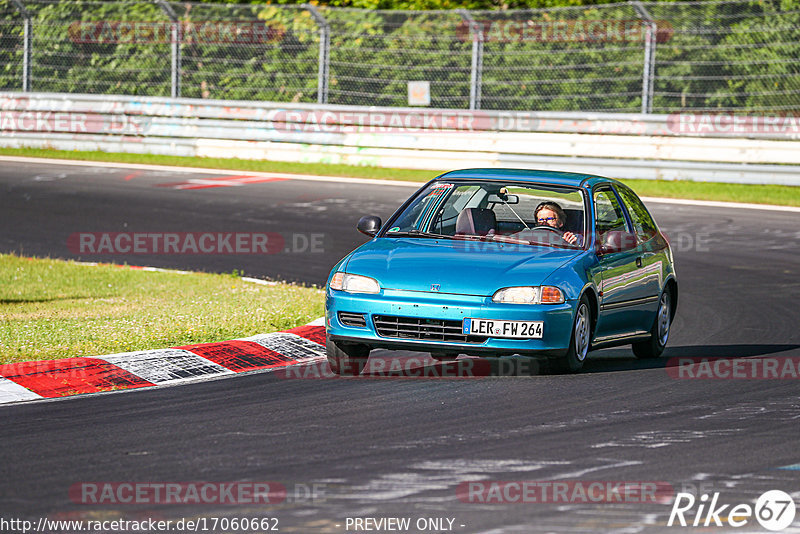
<point>732,54</point>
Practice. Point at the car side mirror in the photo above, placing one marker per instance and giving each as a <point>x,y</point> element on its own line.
<point>369,225</point>
<point>616,241</point>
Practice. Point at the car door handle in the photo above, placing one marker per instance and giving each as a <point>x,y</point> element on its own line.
<point>639,261</point>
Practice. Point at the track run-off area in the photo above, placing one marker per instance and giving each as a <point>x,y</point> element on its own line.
<point>331,451</point>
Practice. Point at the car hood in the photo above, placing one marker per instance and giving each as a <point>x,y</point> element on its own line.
<point>463,267</point>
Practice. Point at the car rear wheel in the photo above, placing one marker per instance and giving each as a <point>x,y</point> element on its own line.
<point>572,361</point>
<point>659,333</point>
<point>345,359</point>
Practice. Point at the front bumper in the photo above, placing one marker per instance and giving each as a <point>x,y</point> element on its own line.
<point>556,334</point>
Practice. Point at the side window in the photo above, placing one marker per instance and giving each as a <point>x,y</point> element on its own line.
<point>416,215</point>
<point>643,225</point>
<point>608,212</point>
<point>445,221</point>
<point>411,218</point>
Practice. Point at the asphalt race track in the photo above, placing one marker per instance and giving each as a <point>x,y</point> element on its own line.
<point>377,447</point>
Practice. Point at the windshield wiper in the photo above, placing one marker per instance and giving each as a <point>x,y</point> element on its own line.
<point>417,233</point>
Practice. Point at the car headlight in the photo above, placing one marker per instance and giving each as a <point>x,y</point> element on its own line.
<point>517,295</point>
<point>529,295</point>
<point>354,283</point>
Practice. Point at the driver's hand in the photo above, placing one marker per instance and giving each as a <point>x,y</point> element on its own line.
<point>570,238</point>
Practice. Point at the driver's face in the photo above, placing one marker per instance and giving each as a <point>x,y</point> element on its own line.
<point>548,217</point>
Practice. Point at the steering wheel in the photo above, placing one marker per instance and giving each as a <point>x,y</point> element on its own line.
<point>530,234</point>
<point>558,231</point>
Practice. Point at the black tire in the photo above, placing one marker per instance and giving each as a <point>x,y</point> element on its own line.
<point>659,332</point>
<point>579,342</point>
<point>346,360</point>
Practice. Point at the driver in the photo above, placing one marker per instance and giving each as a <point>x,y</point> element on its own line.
<point>551,214</point>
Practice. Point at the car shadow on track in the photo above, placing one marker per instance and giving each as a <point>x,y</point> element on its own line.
<point>411,365</point>
<point>622,359</point>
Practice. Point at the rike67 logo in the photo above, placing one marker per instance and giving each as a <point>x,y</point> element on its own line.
<point>774,510</point>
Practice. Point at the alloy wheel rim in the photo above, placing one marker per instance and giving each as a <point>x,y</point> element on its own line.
<point>663,319</point>
<point>582,332</point>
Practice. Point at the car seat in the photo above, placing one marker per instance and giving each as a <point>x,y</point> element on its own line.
<point>476,221</point>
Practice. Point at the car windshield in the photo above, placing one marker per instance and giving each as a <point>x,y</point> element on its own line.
<point>509,212</point>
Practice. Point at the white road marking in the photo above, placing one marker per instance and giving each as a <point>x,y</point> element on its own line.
<point>340,179</point>
<point>201,170</point>
<point>718,204</point>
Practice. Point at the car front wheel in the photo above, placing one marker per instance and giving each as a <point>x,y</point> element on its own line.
<point>572,361</point>
<point>345,359</point>
<point>659,333</point>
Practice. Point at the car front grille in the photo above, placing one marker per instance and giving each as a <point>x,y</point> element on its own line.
<point>422,329</point>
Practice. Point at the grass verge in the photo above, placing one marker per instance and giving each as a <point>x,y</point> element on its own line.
<point>757,194</point>
<point>53,309</point>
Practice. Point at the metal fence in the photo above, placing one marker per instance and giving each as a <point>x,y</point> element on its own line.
<point>645,57</point>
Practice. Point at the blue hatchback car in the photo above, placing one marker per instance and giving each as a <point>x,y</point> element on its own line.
<point>494,262</point>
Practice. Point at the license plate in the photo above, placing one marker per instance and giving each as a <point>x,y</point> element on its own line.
<point>509,329</point>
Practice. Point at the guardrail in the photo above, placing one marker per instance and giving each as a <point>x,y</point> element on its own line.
<point>633,56</point>
<point>705,147</point>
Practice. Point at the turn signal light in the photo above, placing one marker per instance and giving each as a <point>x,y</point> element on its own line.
<point>551,295</point>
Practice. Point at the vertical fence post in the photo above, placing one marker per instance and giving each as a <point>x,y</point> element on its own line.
<point>649,69</point>
<point>324,70</point>
<point>476,67</point>
<point>27,46</point>
<point>175,38</point>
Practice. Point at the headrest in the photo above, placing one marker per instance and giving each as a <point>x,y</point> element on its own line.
<point>475,221</point>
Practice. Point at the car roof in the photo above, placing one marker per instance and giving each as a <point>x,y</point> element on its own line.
<point>530,175</point>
